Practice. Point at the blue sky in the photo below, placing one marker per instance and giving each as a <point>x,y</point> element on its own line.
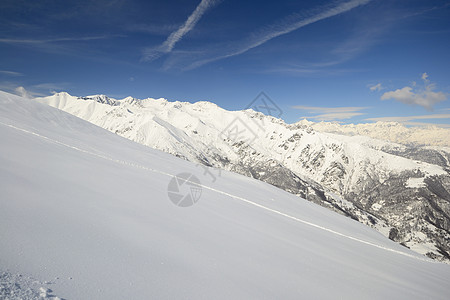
<point>349,61</point>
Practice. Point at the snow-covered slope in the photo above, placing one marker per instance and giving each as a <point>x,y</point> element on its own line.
<point>87,214</point>
<point>388,131</point>
<point>358,176</point>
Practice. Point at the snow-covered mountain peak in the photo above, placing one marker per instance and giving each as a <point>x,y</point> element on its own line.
<point>304,122</point>
<point>128,99</point>
<point>101,99</point>
<point>205,105</point>
<point>62,94</point>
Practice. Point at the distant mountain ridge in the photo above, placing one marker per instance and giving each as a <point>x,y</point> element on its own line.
<point>389,131</point>
<point>394,188</point>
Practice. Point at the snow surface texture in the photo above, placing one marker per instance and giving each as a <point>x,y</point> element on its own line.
<point>389,131</point>
<point>17,286</point>
<point>363,178</point>
<point>91,208</point>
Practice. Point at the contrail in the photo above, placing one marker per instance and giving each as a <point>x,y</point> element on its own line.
<point>288,25</point>
<point>174,37</point>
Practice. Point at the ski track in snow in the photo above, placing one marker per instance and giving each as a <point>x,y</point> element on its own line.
<point>223,193</point>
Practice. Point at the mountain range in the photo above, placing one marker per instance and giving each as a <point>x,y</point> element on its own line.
<point>87,214</point>
<point>417,136</point>
<point>401,190</point>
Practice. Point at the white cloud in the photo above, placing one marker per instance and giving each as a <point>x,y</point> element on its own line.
<point>48,87</point>
<point>10,73</point>
<point>376,87</point>
<point>410,120</point>
<point>46,41</point>
<point>167,47</point>
<point>285,26</point>
<point>154,29</point>
<point>331,113</point>
<point>426,97</point>
<point>37,90</point>
<point>335,116</point>
<point>61,46</point>
<point>21,91</point>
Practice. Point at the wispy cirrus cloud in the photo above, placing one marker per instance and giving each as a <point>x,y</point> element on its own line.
<point>10,73</point>
<point>50,87</point>
<point>35,90</point>
<point>412,120</point>
<point>331,113</point>
<point>13,88</point>
<point>67,46</point>
<point>425,97</point>
<point>21,91</point>
<point>153,29</point>
<point>168,45</point>
<point>285,26</point>
<point>312,69</point>
<point>55,40</point>
<point>376,87</point>
<point>364,37</point>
